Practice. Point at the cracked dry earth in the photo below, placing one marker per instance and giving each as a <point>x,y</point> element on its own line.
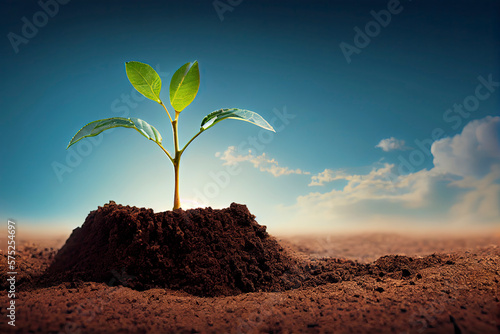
<point>365,283</point>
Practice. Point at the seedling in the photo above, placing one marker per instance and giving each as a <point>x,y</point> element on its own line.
<point>184,86</point>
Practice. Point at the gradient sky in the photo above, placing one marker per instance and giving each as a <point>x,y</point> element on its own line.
<point>353,150</point>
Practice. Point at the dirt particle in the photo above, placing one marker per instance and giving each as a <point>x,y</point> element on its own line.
<point>405,273</point>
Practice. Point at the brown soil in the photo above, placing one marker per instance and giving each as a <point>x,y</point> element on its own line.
<point>128,270</point>
<point>204,252</point>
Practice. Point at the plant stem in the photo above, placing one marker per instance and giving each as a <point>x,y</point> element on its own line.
<point>166,111</point>
<point>176,159</point>
<point>166,152</point>
<point>176,162</point>
<point>189,142</point>
<point>177,200</point>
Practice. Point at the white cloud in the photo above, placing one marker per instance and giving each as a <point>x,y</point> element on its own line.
<point>326,176</point>
<point>262,162</point>
<point>462,190</point>
<point>380,183</point>
<point>391,144</point>
<point>377,200</point>
<point>471,152</point>
<point>482,201</point>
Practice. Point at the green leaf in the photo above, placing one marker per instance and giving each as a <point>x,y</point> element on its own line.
<point>184,86</point>
<point>145,79</point>
<point>235,113</point>
<point>94,128</point>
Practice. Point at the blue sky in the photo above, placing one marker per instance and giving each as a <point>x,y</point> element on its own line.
<point>357,113</point>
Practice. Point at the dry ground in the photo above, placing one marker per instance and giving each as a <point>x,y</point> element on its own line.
<point>457,294</point>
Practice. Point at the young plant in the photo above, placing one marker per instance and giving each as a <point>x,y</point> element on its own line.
<point>183,89</point>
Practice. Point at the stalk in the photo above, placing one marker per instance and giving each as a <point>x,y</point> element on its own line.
<point>176,162</point>
<point>194,137</point>
<point>177,200</point>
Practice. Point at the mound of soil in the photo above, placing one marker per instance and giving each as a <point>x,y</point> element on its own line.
<point>204,252</point>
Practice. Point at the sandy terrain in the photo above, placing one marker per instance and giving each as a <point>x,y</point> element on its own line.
<point>457,294</point>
